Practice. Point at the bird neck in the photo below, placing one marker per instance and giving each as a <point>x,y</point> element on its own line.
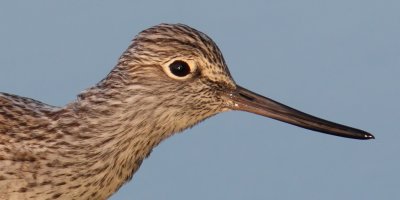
<point>114,134</point>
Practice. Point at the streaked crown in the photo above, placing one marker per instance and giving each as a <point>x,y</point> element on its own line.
<point>166,43</point>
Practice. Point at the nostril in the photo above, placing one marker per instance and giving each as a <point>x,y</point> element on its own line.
<point>250,98</point>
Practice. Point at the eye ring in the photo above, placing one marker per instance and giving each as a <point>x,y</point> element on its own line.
<point>179,68</point>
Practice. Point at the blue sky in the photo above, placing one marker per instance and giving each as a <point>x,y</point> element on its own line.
<point>338,60</point>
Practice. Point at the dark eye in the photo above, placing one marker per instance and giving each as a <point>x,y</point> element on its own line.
<point>179,68</point>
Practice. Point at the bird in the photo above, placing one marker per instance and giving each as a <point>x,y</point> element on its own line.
<point>170,78</point>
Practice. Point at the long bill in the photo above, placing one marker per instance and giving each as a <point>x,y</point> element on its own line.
<point>245,100</point>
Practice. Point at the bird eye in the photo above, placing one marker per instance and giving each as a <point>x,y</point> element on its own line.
<point>179,68</point>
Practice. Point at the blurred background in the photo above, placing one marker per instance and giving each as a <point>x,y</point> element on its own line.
<point>338,60</point>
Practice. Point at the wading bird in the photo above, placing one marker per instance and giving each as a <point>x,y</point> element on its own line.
<point>170,78</point>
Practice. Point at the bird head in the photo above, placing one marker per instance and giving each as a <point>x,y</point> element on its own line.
<point>179,73</point>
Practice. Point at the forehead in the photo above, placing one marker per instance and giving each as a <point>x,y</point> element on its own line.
<point>164,42</point>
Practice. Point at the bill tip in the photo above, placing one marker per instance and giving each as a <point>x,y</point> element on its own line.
<point>369,136</point>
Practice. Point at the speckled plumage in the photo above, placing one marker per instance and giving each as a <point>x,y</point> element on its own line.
<point>89,148</point>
